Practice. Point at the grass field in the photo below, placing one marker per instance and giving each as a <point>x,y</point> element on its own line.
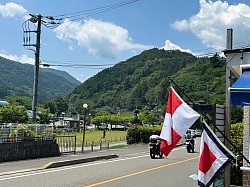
<point>97,136</point>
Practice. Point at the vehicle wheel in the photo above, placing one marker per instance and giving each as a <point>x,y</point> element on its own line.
<point>192,149</point>
<point>152,154</point>
<point>160,154</point>
<point>188,150</point>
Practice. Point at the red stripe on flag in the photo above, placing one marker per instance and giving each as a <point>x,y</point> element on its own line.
<point>207,158</point>
<point>165,148</point>
<point>173,102</point>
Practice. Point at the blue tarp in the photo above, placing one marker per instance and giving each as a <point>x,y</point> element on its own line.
<point>240,90</point>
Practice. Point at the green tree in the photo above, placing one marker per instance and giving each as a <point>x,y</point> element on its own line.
<point>150,116</point>
<point>237,114</point>
<point>57,105</point>
<point>61,104</point>
<point>113,119</point>
<point>20,101</point>
<point>237,140</point>
<point>44,115</point>
<point>51,106</point>
<point>13,114</point>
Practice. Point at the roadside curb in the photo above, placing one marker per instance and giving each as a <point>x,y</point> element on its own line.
<point>77,161</point>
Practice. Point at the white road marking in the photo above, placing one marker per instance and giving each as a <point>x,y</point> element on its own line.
<point>76,166</point>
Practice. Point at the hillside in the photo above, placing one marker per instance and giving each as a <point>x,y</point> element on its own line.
<point>143,80</point>
<point>16,79</point>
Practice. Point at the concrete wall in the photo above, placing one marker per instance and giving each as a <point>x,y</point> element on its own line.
<point>246,132</point>
<point>22,150</point>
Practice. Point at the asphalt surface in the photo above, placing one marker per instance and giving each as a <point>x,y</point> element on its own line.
<point>89,155</point>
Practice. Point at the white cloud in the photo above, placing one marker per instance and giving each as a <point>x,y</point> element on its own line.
<point>171,46</point>
<point>210,24</point>
<point>100,38</point>
<point>12,10</point>
<point>23,58</point>
<point>180,25</point>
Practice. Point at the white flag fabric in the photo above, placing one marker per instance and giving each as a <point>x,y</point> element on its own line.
<point>214,157</point>
<point>179,118</point>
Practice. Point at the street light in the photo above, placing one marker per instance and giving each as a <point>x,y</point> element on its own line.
<point>89,119</point>
<point>85,106</point>
<point>63,114</point>
<point>136,122</point>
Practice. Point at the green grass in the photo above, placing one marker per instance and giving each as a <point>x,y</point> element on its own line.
<point>118,146</point>
<point>97,136</point>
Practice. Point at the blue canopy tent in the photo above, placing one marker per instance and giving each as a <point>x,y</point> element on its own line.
<point>240,90</point>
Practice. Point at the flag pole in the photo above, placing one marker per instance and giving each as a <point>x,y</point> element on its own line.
<point>172,81</point>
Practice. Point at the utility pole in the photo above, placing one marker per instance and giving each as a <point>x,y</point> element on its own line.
<point>49,22</point>
<point>36,68</point>
<point>35,19</point>
<point>228,106</point>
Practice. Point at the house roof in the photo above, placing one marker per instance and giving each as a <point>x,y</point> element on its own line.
<point>3,103</point>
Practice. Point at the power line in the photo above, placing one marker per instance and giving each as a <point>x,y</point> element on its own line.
<point>94,66</point>
<point>74,60</point>
<point>77,65</point>
<point>71,63</point>
<point>86,13</point>
<point>52,22</point>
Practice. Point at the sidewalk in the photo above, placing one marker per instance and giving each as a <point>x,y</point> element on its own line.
<point>58,161</point>
<point>89,155</point>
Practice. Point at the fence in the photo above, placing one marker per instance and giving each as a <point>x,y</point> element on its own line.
<point>67,144</point>
<point>20,148</point>
<point>88,143</point>
<point>21,130</point>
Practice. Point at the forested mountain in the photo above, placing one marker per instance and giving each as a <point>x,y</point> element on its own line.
<point>143,80</point>
<point>16,79</point>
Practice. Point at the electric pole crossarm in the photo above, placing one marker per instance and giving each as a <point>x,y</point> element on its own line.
<point>29,45</point>
<point>29,31</point>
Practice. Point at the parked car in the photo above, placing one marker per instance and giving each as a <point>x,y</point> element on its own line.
<point>198,132</point>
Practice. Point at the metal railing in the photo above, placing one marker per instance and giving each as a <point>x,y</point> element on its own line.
<point>67,144</point>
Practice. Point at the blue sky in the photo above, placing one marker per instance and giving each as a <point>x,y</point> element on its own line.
<point>195,26</point>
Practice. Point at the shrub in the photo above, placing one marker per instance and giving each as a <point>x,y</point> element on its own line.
<point>237,140</point>
<point>141,134</point>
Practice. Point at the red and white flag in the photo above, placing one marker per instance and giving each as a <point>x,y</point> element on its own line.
<point>214,157</point>
<point>178,119</point>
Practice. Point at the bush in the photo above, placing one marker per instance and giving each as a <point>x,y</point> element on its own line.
<point>237,140</point>
<point>141,134</point>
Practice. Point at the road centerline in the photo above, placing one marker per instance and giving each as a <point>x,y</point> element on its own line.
<point>140,172</point>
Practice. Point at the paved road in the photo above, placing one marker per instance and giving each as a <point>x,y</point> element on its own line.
<point>34,164</point>
<point>131,164</point>
<point>133,167</point>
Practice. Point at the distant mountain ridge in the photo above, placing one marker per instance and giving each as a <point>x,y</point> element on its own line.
<point>62,74</point>
<point>143,80</point>
<point>16,79</point>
